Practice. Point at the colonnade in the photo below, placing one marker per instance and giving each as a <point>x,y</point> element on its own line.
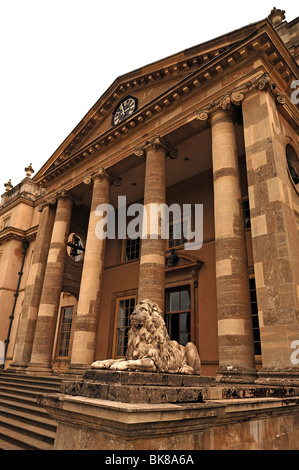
<point>36,331</point>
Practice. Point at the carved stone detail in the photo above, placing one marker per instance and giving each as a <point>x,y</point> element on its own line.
<point>235,97</point>
<point>156,142</point>
<point>103,173</point>
<point>149,346</point>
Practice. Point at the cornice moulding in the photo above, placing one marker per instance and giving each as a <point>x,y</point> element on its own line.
<point>13,233</point>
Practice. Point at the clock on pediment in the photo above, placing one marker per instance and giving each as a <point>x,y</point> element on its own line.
<point>124,109</point>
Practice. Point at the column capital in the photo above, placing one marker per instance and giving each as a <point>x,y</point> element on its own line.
<point>64,194</point>
<point>233,99</point>
<point>46,203</point>
<point>52,199</point>
<point>156,142</point>
<point>102,174</point>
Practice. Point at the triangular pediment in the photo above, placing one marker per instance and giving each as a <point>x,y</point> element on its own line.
<point>151,86</point>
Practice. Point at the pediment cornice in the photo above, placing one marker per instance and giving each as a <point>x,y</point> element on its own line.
<point>194,73</point>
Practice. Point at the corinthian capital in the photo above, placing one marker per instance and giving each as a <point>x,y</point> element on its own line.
<point>156,142</point>
<point>102,173</point>
<point>235,97</point>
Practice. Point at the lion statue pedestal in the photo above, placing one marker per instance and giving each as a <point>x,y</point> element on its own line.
<point>150,348</point>
<point>155,369</point>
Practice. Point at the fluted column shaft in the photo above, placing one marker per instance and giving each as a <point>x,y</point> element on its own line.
<point>152,260</point>
<point>235,337</point>
<point>50,297</point>
<point>28,318</point>
<point>86,327</point>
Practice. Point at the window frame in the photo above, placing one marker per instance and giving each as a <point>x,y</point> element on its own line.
<point>182,240</point>
<point>190,310</point>
<point>257,355</point>
<point>289,143</point>
<point>124,250</point>
<point>59,337</point>
<point>116,328</point>
<point>6,221</point>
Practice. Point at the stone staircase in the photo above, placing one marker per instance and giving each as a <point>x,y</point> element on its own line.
<point>23,424</point>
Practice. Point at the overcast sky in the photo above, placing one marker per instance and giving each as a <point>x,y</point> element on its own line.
<point>59,56</point>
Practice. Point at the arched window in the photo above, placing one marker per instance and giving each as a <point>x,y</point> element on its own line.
<point>293,163</point>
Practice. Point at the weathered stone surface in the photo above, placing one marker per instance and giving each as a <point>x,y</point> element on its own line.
<point>138,387</point>
<point>224,424</point>
<point>145,387</point>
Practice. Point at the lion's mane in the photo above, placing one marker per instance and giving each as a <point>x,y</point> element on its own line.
<point>148,337</point>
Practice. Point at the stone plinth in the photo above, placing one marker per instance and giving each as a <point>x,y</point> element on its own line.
<point>139,387</point>
<point>231,424</point>
<point>122,410</point>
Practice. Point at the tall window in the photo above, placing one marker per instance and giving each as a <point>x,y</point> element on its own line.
<point>177,229</point>
<point>293,163</point>
<point>255,318</point>
<point>178,314</point>
<point>124,308</point>
<point>132,249</point>
<point>6,222</point>
<point>246,213</point>
<point>65,331</point>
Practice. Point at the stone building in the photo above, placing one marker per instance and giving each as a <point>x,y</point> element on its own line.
<point>215,125</point>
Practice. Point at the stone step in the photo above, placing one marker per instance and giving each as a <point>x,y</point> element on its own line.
<point>8,394</point>
<point>26,426</point>
<point>23,423</point>
<point>20,440</point>
<point>45,380</point>
<point>5,445</point>
<point>28,386</point>
<point>28,414</point>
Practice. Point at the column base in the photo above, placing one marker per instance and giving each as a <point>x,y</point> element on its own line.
<point>275,376</point>
<point>18,367</point>
<point>233,374</point>
<point>77,370</point>
<point>39,369</point>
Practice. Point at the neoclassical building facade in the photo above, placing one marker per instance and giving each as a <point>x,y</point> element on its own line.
<point>214,126</point>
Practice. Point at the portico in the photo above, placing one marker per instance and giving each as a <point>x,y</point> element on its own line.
<point>215,134</point>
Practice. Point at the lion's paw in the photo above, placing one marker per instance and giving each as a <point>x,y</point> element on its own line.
<point>102,364</point>
<point>119,366</point>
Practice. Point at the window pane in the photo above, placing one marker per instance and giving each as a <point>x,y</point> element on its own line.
<point>246,213</point>
<point>132,249</point>
<point>185,300</point>
<point>125,308</point>
<point>174,304</point>
<point>178,327</point>
<point>255,318</point>
<point>65,331</point>
<point>121,315</point>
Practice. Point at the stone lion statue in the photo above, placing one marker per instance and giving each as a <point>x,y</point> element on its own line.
<point>150,348</point>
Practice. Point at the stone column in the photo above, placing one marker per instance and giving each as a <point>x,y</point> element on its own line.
<point>48,308</point>
<point>152,259</point>
<point>235,336</point>
<point>28,318</point>
<point>87,318</point>
<point>273,201</point>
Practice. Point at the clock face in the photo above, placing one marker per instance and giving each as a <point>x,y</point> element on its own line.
<point>124,110</point>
